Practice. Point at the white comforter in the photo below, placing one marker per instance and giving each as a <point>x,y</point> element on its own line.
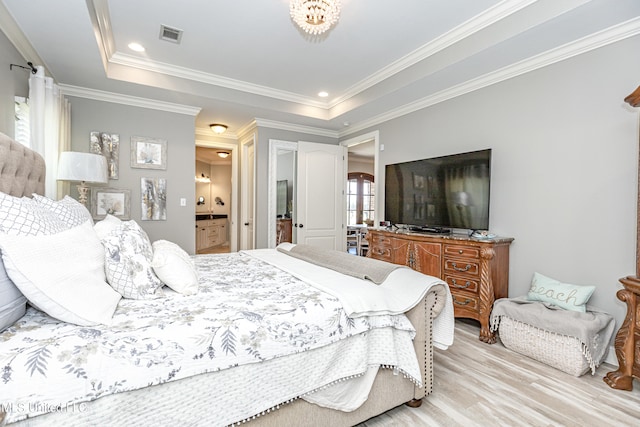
<point>246,312</point>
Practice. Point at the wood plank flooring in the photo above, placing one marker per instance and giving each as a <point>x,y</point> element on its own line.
<point>478,384</point>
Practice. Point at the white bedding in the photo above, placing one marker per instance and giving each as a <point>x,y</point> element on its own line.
<point>234,319</point>
<point>401,291</point>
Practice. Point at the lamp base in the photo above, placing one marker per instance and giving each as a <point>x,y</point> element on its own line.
<point>83,190</point>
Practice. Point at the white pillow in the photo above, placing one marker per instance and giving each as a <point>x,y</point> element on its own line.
<point>68,210</point>
<point>174,267</point>
<point>24,217</point>
<point>62,274</point>
<point>128,255</point>
<point>106,226</point>
<point>12,303</point>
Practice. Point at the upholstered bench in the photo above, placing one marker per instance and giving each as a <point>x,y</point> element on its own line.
<point>571,341</point>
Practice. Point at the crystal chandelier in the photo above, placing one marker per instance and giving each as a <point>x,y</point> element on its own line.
<point>315,16</point>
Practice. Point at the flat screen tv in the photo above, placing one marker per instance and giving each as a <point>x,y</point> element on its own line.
<point>440,193</point>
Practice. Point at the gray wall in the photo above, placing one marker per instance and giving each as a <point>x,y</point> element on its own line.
<point>564,167</point>
<point>12,83</point>
<point>177,129</point>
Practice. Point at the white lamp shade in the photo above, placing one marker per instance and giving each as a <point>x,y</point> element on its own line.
<point>87,167</point>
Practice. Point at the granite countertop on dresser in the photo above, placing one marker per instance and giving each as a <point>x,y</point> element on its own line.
<point>204,217</point>
<point>445,236</point>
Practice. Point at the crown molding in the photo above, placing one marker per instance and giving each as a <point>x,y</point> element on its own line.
<point>101,22</point>
<point>133,101</point>
<point>569,50</point>
<point>272,124</point>
<point>462,31</point>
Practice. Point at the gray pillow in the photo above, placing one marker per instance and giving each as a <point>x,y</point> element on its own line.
<point>12,303</point>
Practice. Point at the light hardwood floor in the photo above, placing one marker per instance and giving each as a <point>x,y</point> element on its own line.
<point>478,384</point>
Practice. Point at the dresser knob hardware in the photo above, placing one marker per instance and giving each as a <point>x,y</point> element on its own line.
<point>465,302</point>
<point>460,251</point>
<point>456,268</point>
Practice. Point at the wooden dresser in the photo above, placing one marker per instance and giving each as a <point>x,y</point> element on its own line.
<point>477,271</point>
<point>627,342</point>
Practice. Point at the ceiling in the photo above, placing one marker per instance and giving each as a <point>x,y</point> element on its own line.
<point>242,61</point>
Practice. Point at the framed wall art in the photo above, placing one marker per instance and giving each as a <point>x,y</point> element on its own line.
<point>112,201</point>
<point>148,153</point>
<point>107,144</point>
<point>153,198</point>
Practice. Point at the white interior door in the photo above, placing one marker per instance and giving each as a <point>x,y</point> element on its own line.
<point>247,240</point>
<point>320,182</point>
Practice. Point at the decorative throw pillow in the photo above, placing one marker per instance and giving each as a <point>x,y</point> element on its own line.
<point>551,291</point>
<point>62,274</point>
<point>174,267</point>
<point>68,210</point>
<point>12,303</point>
<point>128,256</point>
<point>24,217</point>
<point>106,226</point>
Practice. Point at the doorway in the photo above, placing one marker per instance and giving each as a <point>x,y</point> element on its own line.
<point>216,197</point>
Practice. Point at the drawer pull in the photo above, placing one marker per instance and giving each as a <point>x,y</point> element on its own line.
<point>465,302</point>
<point>461,251</point>
<point>455,284</point>
<point>456,268</point>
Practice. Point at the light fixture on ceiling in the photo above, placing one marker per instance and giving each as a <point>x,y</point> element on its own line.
<point>223,154</point>
<point>136,47</point>
<point>315,16</point>
<point>323,94</point>
<point>218,128</point>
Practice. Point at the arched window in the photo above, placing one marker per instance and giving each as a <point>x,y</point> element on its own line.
<point>360,198</point>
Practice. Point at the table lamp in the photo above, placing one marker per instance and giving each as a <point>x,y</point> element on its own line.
<point>82,167</point>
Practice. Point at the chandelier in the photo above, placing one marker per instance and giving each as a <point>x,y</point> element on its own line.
<point>315,16</point>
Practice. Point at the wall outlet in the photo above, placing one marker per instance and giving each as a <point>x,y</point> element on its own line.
<point>183,201</point>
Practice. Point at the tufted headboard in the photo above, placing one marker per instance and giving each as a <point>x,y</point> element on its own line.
<point>22,171</point>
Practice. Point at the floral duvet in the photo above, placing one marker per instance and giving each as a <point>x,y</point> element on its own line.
<point>246,311</point>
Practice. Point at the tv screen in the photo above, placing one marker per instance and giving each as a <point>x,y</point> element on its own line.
<point>440,192</point>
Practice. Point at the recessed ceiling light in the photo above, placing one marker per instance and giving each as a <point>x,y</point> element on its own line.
<point>323,94</point>
<point>137,47</point>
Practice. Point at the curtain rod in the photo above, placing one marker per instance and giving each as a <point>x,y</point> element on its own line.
<point>30,67</point>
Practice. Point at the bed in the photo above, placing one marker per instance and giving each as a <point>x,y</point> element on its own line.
<point>270,337</point>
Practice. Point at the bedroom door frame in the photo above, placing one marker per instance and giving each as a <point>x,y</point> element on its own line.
<point>378,214</point>
<point>275,147</point>
<point>233,216</point>
<point>248,209</point>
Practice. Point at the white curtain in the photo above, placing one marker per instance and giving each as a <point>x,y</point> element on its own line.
<point>50,118</point>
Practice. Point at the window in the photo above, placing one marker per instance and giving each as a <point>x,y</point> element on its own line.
<point>22,127</point>
<point>360,198</point>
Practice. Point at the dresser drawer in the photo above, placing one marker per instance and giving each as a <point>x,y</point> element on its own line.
<point>461,266</point>
<point>378,240</point>
<point>465,302</point>
<point>381,252</point>
<point>462,284</point>
<point>462,251</point>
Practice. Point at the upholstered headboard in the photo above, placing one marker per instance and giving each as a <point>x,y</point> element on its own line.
<point>22,171</point>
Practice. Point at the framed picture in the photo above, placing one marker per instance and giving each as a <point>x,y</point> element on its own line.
<point>112,201</point>
<point>107,144</point>
<point>148,153</point>
<point>153,199</point>
<point>418,181</point>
